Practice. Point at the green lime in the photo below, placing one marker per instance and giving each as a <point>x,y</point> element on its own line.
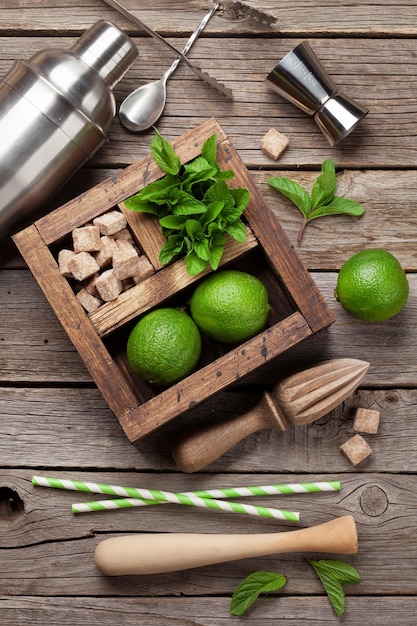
<point>372,285</point>
<point>164,346</point>
<point>230,306</point>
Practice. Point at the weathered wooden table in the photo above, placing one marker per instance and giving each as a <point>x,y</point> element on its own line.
<point>55,422</point>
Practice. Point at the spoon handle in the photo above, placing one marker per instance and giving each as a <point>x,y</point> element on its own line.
<point>193,38</point>
<point>203,75</point>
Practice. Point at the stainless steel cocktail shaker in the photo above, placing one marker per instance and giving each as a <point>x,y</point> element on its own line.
<point>55,111</point>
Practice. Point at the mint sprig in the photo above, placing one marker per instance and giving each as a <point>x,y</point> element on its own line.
<point>321,202</point>
<point>195,207</point>
<point>251,587</point>
<point>333,575</point>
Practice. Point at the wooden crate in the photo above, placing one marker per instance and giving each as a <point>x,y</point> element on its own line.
<point>297,308</point>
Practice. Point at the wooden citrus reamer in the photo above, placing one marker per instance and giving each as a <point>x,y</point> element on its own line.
<point>150,553</point>
<point>297,400</point>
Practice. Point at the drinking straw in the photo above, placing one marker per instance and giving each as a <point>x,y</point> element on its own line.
<point>177,498</point>
<point>225,492</point>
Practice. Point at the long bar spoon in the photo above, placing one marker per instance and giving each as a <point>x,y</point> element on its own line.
<point>197,71</point>
<point>144,106</point>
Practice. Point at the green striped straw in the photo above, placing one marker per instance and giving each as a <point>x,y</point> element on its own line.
<point>178,498</point>
<point>142,497</point>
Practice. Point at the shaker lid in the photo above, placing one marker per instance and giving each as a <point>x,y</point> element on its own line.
<point>107,49</point>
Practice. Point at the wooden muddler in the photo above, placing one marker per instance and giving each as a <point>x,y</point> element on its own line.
<point>168,552</point>
<point>297,400</point>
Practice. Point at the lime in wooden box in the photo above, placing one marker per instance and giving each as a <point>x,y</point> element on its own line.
<point>297,307</point>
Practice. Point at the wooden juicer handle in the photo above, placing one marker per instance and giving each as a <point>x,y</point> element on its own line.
<point>157,553</point>
<point>297,400</point>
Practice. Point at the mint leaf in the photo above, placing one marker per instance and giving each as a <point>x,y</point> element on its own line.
<point>194,264</point>
<point>173,222</point>
<point>173,247</point>
<point>325,186</point>
<point>241,197</point>
<point>253,585</point>
<point>338,206</point>
<point>183,203</point>
<point>209,150</point>
<point>216,250</point>
<point>164,155</point>
<point>237,230</point>
<point>333,575</point>
<point>155,192</point>
<point>293,191</point>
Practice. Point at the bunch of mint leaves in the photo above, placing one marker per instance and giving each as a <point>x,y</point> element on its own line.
<point>321,202</point>
<point>195,207</point>
<point>333,575</point>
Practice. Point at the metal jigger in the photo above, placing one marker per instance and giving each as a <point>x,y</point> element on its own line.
<point>301,79</point>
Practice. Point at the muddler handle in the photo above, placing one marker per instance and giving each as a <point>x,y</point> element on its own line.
<point>168,552</point>
<point>200,447</point>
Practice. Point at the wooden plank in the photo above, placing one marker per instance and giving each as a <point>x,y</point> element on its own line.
<point>56,536</point>
<point>205,611</point>
<point>68,428</point>
<point>363,67</point>
<point>308,18</point>
<point>36,349</point>
<point>388,197</point>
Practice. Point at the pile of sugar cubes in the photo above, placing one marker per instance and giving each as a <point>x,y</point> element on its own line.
<point>104,260</point>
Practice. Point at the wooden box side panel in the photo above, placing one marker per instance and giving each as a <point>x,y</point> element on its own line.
<point>226,370</point>
<point>274,241</point>
<point>106,374</point>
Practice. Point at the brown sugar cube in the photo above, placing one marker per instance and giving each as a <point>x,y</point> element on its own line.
<point>104,256</point>
<point>89,302</point>
<point>86,239</point>
<point>124,234</point>
<point>89,284</point>
<point>108,286</point>
<point>64,257</point>
<point>125,260</point>
<point>356,449</point>
<point>366,421</point>
<point>83,265</point>
<point>146,269</point>
<point>110,223</point>
<point>274,143</point>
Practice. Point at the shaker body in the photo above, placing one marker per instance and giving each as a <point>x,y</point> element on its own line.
<point>55,111</point>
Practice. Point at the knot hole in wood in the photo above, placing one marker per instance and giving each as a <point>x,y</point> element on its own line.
<point>11,504</point>
<point>374,501</point>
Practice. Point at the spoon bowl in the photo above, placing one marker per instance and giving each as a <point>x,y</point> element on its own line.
<point>144,106</point>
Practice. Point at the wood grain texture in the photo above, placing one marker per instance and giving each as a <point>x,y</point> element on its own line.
<point>54,421</point>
